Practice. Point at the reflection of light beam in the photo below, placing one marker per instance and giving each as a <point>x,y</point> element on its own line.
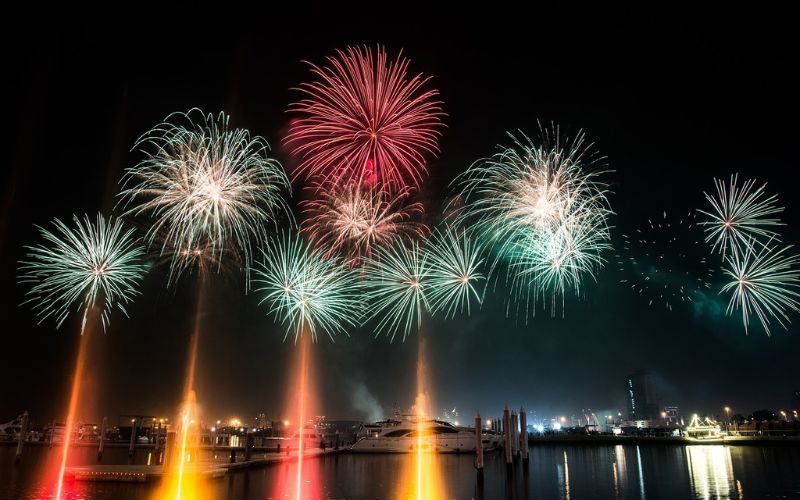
<point>73,405</point>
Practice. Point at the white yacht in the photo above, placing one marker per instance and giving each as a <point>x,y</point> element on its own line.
<point>416,433</point>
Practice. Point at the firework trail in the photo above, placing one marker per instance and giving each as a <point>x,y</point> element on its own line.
<point>352,220</point>
<point>666,261</point>
<point>306,289</point>
<point>83,266</point>
<point>764,282</point>
<point>543,209</point>
<point>206,186</point>
<point>364,117</point>
<point>739,215</point>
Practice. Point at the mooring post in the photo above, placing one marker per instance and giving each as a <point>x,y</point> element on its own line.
<point>133,438</point>
<point>249,442</point>
<point>523,435</point>
<point>336,440</point>
<point>507,438</point>
<point>233,455</point>
<point>102,444</point>
<point>23,432</point>
<point>478,446</point>
<point>157,440</point>
<point>169,449</point>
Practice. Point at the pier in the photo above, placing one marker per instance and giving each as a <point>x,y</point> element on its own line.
<point>207,469</point>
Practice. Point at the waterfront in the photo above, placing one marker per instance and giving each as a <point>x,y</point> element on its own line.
<point>555,471</point>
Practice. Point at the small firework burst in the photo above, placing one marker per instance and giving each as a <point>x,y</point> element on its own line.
<point>740,215</point>
<point>764,282</point>
<point>352,220</point>
<point>396,287</point>
<point>306,289</point>
<point>666,261</point>
<point>455,263</point>
<point>86,265</point>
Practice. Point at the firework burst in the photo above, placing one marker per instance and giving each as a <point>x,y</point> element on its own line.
<point>396,286</point>
<point>544,210</point>
<point>364,117</point>
<point>84,266</point>
<point>352,220</point>
<point>739,215</point>
<point>455,262</point>
<point>304,288</point>
<point>666,261</point>
<point>205,185</point>
<point>764,282</point>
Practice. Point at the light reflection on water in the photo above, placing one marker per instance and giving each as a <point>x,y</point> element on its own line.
<point>711,471</point>
<point>555,471</point>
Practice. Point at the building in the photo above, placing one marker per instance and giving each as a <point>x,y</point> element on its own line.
<point>672,415</point>
<point>794,412</point>
<point>641,397</point>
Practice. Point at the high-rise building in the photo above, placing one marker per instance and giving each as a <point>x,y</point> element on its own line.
<point>641,397</point>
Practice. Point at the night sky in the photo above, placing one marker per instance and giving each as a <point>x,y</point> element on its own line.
<point>671,99</point>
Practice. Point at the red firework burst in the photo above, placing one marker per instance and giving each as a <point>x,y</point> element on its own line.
<point>351,220</point>
<point>364,118</point>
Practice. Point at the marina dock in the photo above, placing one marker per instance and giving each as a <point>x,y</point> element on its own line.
<point>208,469</point>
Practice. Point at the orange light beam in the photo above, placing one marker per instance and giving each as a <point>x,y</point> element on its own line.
<point>302,411</point>
<point>187,406</point>
<point>73,404</point>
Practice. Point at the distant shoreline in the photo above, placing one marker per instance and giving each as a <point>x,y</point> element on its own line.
<point>674,441</point>
<point>579,440</point>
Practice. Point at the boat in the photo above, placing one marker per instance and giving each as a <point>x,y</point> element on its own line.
<point>412,434</point>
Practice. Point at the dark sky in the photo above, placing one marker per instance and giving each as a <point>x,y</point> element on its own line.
<point>671,98</point>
